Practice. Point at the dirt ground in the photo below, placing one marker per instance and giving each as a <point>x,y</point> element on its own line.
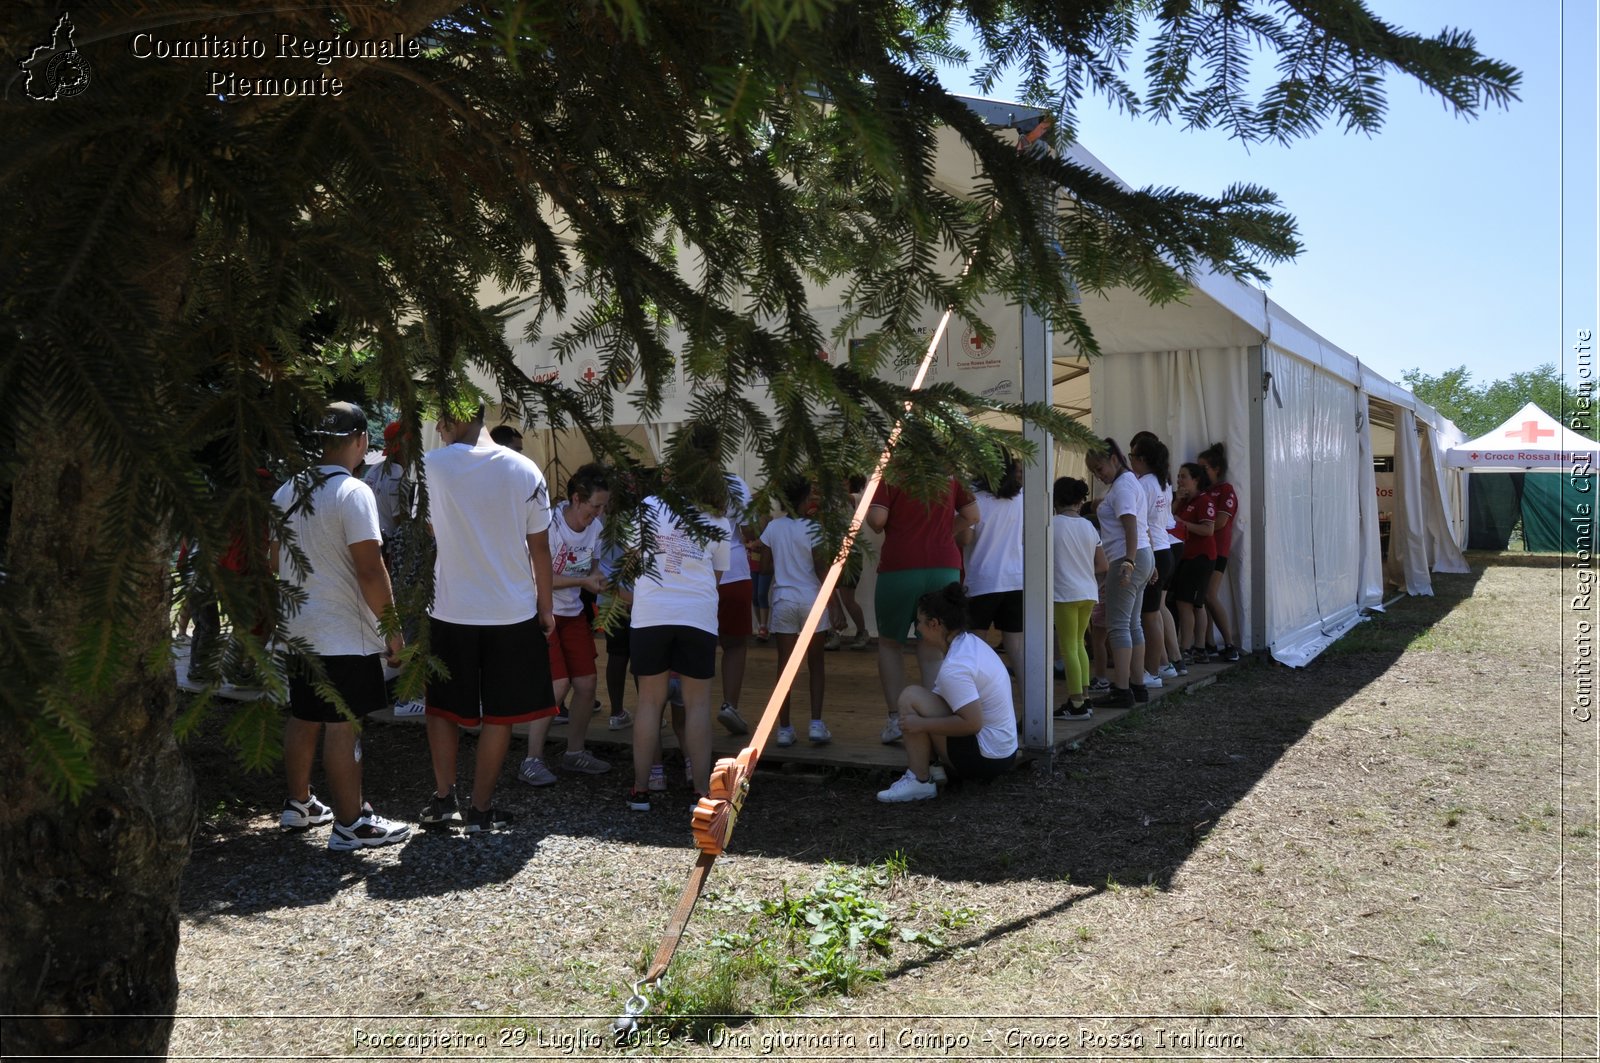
<point>1388,854</point>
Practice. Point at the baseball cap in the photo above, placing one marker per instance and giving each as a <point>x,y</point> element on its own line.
<point>342,419</point>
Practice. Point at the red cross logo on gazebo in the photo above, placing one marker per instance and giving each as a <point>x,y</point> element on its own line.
<point>1530,432</point>
<point>589,375</point>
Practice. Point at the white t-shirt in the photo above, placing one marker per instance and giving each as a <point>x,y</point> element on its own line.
<point>995,562</point>
<point>1074,541</point>
<point>386,479</point>
<point>679,584</point>
<point>483,502</point>
<point>973,672</point>
<point>572,553</point>
<point>334,619</point>
<point>1124,498</point>
<point>1159,515</point>
<point>794,575</point>
<point>738,516</point>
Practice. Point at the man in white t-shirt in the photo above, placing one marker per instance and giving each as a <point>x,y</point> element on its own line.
<point>492,613</point>
<point>333,556</point>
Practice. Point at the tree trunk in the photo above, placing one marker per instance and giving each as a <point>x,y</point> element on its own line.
<point>89,919</point>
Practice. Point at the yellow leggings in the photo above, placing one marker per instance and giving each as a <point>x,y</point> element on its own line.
<point>1072,620</point>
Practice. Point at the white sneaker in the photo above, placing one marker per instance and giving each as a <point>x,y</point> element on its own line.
<point>1153,682</point>
<point>820,735</point>
<point>936,774</point>
<point>785,736</point>
<point>658,780</point>
<point>619,720</point>
<point>367,832</point>
<point>404,709</point>
<point>1168,671</point>
<point>891,731</point>
<point>908,788</point>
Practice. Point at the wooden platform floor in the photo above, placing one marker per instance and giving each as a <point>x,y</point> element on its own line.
<point>853,710</point>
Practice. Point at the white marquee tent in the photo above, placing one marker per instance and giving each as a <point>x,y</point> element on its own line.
<point>1529,439</point>
<point>1302,422</point>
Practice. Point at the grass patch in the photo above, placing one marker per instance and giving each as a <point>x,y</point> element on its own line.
<point>830,940</point>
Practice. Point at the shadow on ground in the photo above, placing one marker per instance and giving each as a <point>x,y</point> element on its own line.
<point>1129,807</point>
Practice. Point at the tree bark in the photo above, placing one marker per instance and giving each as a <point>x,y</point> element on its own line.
<point>89,919</point>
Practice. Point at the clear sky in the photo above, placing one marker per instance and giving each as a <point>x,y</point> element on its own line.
<point>1436,242</point>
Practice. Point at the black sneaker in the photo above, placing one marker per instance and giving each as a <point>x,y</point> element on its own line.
<point>639,800</point>
<point>1141,694</point>
<point>1230,653</point>
<point>1119,698</point>
<point>303,815</point>
<point>441,812</point>
<point>1067,711</point>
<point>367,832</point>
<point>488,819</point>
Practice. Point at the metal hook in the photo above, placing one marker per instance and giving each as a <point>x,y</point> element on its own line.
<point>626,1025</point>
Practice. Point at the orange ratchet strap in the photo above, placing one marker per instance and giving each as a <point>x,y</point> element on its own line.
<point>718,812</point>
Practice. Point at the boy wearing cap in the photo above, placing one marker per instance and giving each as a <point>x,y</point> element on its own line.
<point>491,616</point>
<point>340,570</point>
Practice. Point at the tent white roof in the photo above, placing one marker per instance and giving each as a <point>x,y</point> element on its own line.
<point>1529,439</point>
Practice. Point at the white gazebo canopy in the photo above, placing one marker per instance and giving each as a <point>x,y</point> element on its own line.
<point>1530,439</point>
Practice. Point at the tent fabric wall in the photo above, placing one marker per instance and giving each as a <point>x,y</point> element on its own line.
<point>1444,552</point>
<point>1370,582</point>
<point>1190,399</point>
<point>1408,532</point>
<point>1495,502</point>
<point>1546,497</point>
<point>1312,537</point>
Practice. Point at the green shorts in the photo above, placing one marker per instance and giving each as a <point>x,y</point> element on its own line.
<point>896,598</point>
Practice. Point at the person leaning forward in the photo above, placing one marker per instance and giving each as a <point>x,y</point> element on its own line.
<point>489,511</point>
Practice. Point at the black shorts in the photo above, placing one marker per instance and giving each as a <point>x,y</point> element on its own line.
<point>1002,609</point>
<point>1166,566</point>
<point>1191,582</point>
<point>357,678</point>
<point>689,651</point>
<point>968,763</point>
<point>498,673</point>
<point>1221,565</point>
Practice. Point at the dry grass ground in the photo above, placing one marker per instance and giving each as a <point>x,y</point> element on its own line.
<point>1390,853</point>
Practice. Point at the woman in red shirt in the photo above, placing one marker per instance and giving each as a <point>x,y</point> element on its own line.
<point>919,555</point>
<point>1197,521</point>
<point>1214,459</point>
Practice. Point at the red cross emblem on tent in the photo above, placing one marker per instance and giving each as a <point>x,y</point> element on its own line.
<point>589,375</point>
<point>1530,432</point>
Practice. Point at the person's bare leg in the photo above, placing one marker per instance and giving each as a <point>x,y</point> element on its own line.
<point>647,727</point>
<point>1154,642</point>
<point>1218,611</point>
<point>1169,633</point>
<point>919,745</point>
<point>786,645</point>
<point>343,770</point>
<point>816,665</point>
<point>697,729</point>
<point>928,662</point>
<point>891,671</point>
<point>852,608</point>
<point>539,730</point>
<point>444,739</point>
<point>299,753</point>
<point>579,712</point>
<point>734,650</point>
<point>493,742</point>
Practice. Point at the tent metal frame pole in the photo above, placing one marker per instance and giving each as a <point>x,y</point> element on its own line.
<point>1256,358</point>
<point>1037,664</point>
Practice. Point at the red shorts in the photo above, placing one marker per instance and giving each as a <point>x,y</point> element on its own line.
<point>733,609</point>
<point>571,648</point>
